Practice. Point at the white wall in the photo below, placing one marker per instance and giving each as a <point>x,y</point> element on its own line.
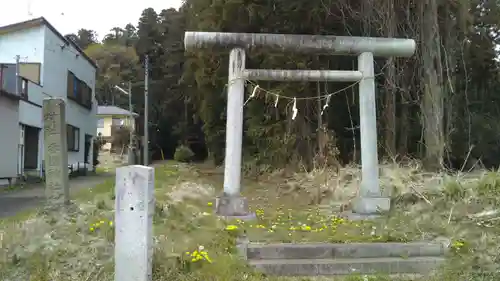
<point>30,113</point>
<point>41,45</point>
<point>9,138</point>
<point>57,62</point>
<point>28,44</point>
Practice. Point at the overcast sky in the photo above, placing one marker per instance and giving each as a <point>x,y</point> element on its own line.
<point>68,16</point>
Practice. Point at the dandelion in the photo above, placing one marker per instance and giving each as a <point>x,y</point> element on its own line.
<point>457,245</point>
<point>306,228</point>
<point>231,227</point>
<point>259,212</point>
<point>199,255</point>
<point>209,204</point>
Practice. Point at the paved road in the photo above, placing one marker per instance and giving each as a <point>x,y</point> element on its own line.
<point>15,201</point>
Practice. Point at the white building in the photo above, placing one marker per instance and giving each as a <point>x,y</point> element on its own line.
<point>50,66</point>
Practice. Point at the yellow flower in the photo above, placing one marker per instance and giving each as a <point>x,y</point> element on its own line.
<point>209,203</point>
<point>231,227</point>
<point>92,229</point>
<point>110,223</point>
<point>306,228</point>
<point>199,255</point>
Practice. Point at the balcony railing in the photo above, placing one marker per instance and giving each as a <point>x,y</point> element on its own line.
<point>8,82</point>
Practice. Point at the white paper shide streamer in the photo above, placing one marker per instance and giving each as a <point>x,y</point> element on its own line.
<point>326,104</point>
<point>294,109</point>
<point>254,92</point>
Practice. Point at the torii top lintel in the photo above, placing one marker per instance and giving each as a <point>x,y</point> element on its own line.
<point>319,44</point>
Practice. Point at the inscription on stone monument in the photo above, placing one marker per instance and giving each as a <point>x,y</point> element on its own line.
<point>55,153</point>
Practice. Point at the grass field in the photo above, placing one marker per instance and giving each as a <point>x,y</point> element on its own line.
<point>193,244</point>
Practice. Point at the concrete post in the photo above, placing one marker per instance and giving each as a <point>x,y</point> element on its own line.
<point>234,125</point>
<point>301,43</point>
<point>369,200</point>
<point>231,204</point>
<point>134,210</point>
<point>55,153</point>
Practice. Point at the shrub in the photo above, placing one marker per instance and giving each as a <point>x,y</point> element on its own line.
<point>183,154</point>
<point>98,143</point>
<point>120,139</point>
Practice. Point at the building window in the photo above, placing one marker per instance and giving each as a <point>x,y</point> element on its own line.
<point>118,122</point>
<point>24,87</point>
<point>79,91</point>
<point>100,123</point>
<point>73,135</point>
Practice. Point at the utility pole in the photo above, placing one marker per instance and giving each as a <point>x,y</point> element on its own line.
<point>130,109</point>
<point>18,58</point>
<point>146,109</point>
<point>131,148</point>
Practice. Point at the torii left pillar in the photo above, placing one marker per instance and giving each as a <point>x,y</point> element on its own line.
<point>231,203</point>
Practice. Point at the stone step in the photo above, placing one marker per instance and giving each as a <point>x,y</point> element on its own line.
<point>368,266</point>
<point>343,251</point>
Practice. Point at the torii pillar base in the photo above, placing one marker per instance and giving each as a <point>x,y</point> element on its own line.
<point>233,207</point>
<point>367,208</point>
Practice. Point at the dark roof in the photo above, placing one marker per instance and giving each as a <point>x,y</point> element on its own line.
<point>113,110</point>
<point>42,21</point>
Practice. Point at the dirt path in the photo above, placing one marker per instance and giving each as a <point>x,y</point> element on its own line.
<point>13,202</point>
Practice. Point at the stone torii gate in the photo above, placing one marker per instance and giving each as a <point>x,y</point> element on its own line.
<point>370,200</point>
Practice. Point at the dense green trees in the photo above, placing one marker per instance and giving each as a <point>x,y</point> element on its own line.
<point>440,105</point>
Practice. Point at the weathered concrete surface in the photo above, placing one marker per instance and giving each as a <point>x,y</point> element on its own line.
<point>304,267</point>
<point>302,75</point>
<point>234,123</point>
<point>371,205</point>
<point>344,251</point>
<point>230,207</point>
<point>312,44</point>
<point>134,210</point>
<point>313,259</point>
<point>55,153</point>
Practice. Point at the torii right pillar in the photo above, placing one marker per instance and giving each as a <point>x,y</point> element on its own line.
<point>369,200</point>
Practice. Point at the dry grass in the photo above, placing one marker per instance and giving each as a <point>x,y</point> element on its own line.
<point>290,207</point>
